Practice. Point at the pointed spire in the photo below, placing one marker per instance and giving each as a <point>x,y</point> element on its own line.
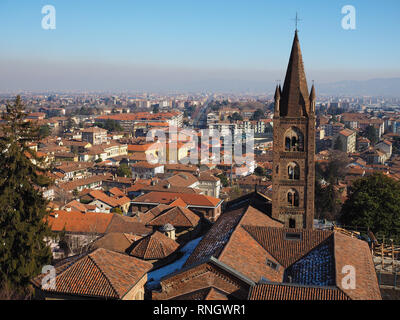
<point>312,93</point>
<point>277,92</point>
<point>295,98</point>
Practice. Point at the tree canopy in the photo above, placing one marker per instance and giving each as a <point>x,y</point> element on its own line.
<point>338,144</point>
<point>124,171</point>
<point>44,131</point>
<point>235,117</point>
<point>374,203</point>
<point>333,170</point>
<point>110,125</point>
<point>370,133</point>
<point>260,171</point>
<point>257,115</point>
<point>327,202</point>
<point>23,251</point>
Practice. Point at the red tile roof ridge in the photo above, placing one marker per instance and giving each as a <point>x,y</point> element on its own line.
<point>303,247</point>
<point>290,291</point>
<point>91,257</point>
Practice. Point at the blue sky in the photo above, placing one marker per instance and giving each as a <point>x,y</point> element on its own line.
<point>100,44</point>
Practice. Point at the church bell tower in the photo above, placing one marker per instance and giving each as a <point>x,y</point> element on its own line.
<point>294,147</point>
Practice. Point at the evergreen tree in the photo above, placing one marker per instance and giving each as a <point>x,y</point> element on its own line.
<point>23,251</point>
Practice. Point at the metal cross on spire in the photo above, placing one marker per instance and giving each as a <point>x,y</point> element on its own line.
<point>297,20</point>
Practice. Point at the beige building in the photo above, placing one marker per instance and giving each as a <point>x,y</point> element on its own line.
<point>347,141</point>
<point>94,135</point>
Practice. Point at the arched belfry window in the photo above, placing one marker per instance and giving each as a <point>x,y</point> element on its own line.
<point>293,198</point>
<point>293,171</point>
<point>294,140</point>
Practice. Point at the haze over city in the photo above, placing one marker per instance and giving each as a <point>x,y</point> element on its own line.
<point>230,46</point>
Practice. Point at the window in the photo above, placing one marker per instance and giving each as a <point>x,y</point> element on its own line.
<point>292,223</point>
<point>293,236</point>
<point>271,264</point>
<point>294,140</point>
<point>293,198</point>
<point>293,171</point>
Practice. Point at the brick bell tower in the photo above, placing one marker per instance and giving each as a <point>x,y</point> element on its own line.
<point>294,147</point>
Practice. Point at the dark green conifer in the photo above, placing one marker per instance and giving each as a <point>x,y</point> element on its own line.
<point>23,251</point>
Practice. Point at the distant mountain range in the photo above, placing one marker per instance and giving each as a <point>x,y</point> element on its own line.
<point>388,87</point>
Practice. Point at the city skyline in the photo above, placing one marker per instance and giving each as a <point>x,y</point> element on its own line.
<point>144,47</point>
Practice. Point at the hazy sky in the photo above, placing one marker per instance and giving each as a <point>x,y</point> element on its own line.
<point>191,44</point>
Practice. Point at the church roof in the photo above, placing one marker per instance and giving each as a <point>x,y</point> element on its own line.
<point>295,97</point>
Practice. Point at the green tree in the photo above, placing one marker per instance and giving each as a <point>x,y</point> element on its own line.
<point>374,203</point>
<point>371,134</point>
<point>110,126</point>
<point>235,117</point>
<point>70,124</point>
<point>23,251</point>
<point>75,193</point>
<point>224,180</point>
<point>327,202</point>
<point>338,144</point>
<point>257,115</point>
<point>156,108</point>
<point>259,171</point>
<point>124,171</point>
<point>44,131</point>
<point>335,169</point>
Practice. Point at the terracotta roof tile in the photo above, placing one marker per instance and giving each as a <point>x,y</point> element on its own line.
<point>102,273</point>
<point>128,225</point>
<point>287,251</point>
<point>356,253</point>
<point>169,197</point>
<point>155,246</point>
<point>177,216</point>
<point>115,241</point>
<point>272,291</point>
<point>90,222</point>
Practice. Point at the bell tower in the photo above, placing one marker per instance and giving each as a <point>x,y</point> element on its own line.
<point>294,147</point>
